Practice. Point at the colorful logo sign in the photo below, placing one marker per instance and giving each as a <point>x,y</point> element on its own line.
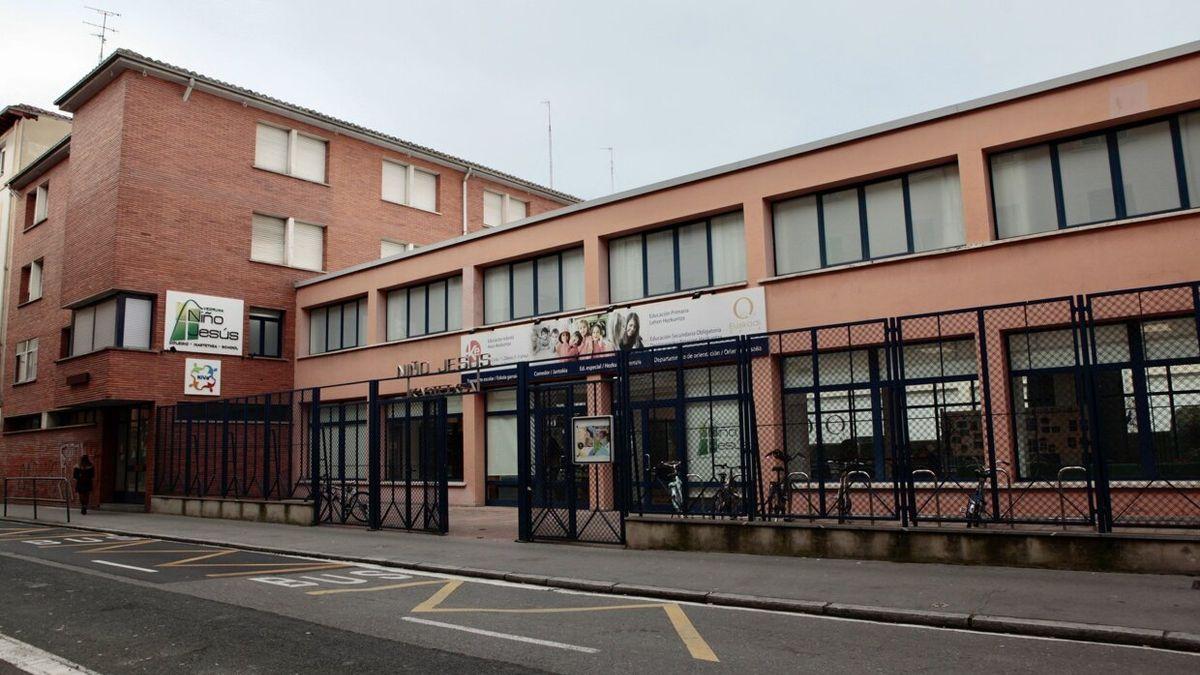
<point>202,377</point>
<point>203,323</point>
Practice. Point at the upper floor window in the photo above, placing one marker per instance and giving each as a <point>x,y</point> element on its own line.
<point>39,210</point>
<point>545,285</point>
<point>291,152</point>
<point>27,352</point>
<point>408,185</point>
<point>3,160</point>
<point>266,332</point>
<point>678,258</point>
<point>31,281</point>
<point>435,307</point>
<point>287,241</point>
<point>918,211</point>
<point>1130,171</point>
<point>388,248</point>
<point>339,326</point>
<point>499,208</point>
<point>118,321</point>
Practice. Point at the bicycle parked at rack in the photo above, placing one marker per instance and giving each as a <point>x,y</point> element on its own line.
<point>976,508</point>
<point>346,503</point>
<point>727,500</point>
<point>850,470</point>
<point>779,494</point>
<point>672,480</point>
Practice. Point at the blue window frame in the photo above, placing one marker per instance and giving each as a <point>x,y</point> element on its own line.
<point>900,214</point>
<point>547,284</point>
<point>1131,170</point>
<point>338,326</point>
<point>424,309</point>
<point>683,257</point>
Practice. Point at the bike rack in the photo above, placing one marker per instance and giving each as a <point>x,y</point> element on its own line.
<point>807,490</point>
<point>66,500</point>
<point>1012,517</point>
<point>937,493</point>
<point>851,478</point>
<point>1062,498</point>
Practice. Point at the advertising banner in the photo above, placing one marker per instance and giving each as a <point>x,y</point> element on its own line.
<point>589,337</point>
<point>202,377</point>
<point>204,324</point>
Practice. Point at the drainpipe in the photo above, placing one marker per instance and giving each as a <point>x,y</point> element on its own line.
<point>466,177</point>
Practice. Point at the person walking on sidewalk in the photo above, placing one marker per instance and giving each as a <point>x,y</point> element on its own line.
<point>84,474</point>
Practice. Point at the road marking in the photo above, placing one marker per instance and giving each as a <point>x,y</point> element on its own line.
<point>503,636</point>
<point>14,533</point>
<point>436,599</point>
<point>281,570</point>
<point>128,567</point>
<point>37,661</point>
<point>410,584</point>
<point>696,645</point>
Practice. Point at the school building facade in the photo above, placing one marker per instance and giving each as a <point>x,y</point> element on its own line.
<point>884,256</point>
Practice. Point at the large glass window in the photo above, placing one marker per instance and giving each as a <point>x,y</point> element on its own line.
<point>544,285</point>
<point>679,258</point>
<point>340,326</point>
<point>1129,171</point>
<point>344,442</point>
<point>118,321</point>
<point>409,438</point>
<point>501,451</point>
<point>919,211</point>
<point>434,307</point>
<point>266,332</point>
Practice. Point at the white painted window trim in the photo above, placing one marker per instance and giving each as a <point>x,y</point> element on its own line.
<point>293,134</point>
<point>26,361</point>
<point>410,173</point>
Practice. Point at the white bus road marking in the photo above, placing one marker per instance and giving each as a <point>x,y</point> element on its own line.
<point>30,659</point>
<point>128,567</point>
<point>503,636</point>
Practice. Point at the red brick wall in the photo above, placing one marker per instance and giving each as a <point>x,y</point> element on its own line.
<point>53,453</point>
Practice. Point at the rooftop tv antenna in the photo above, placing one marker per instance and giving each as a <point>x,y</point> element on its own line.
<point>612,173</point>
<point>549,143</point>
<point>103,26</point>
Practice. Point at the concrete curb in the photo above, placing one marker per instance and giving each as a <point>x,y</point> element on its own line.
<point>1006,625</point>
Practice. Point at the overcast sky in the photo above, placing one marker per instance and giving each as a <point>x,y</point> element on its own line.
<point>675,87</point>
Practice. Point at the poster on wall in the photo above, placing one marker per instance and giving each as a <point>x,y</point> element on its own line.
<point>708,317</point>
<point>592,438</point>
<point>204,324</point>
<point>202,377</point>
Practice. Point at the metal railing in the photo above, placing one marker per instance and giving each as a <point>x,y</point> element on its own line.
<point>65,500</point>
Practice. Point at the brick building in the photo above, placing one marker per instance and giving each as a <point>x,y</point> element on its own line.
<point>172,181</point>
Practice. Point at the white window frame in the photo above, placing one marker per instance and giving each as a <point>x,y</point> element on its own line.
<point>405,246</point>
<point>27,351</point>
<point>293,134</point>
<point>410,174</point>
<point>288,230</point>
<point>504,208</point>
<point>30,294</point>
<point>41,203</point>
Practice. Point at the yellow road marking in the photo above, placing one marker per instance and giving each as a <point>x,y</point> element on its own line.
<point>683,626</point>
<point>696,645</point>
<point>284,570</point>
<point>408,584</point>
<point>100,544</point>
<point>187,562</point>
<point>13,533</point>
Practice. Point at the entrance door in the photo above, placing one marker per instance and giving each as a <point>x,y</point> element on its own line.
<point>660,444</point>
<point>130,426</point>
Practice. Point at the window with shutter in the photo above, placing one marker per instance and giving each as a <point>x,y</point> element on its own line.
<point>395,182</point>
<point>424,190</point>
<point>271,148</point>
<point>309,158</point>
<point>493,209</point>
<point>81,330</point>
<point>390,248</point>
<point>35,280</point>
<point>267,239</point>
<point>41,206</point>
<point>137,323</point>
<point>517,210</point>
<point>308,246</point>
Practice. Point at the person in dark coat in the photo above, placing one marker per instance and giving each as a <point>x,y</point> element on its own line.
<point>84,474</point>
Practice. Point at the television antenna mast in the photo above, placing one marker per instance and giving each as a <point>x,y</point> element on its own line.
<point>103,26</point>
<point>549,143</point>
<point>612,174</point>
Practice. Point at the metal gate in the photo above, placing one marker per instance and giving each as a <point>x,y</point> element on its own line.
<point>571,460</point>
<point>383,462</point>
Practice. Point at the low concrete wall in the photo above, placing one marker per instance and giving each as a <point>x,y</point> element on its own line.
<point>1158,554</point>
<point>289,512</point>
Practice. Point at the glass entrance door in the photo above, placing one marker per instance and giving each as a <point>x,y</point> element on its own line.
<point>129,442</point>
<point>660,443</point>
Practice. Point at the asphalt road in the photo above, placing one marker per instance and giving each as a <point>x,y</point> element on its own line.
<point>119,604</point>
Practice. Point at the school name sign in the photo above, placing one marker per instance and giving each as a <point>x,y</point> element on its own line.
<point>204,324</point>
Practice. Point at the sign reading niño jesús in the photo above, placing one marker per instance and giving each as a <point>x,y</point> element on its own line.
<point>203,323</point>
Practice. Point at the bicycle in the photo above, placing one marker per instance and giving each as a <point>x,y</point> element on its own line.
<point>344,505</point>
<point>674,485</point>
<point>779,494</point>
<point>726,501</point>
<point>843,504</point>
<point>976,507</point>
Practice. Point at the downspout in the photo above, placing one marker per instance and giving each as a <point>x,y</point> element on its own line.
<point>466,177</point>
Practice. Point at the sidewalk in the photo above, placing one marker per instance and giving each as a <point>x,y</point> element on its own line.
<point>1156,602</point>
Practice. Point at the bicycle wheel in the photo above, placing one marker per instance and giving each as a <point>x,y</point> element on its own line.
<point>359,507</point>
